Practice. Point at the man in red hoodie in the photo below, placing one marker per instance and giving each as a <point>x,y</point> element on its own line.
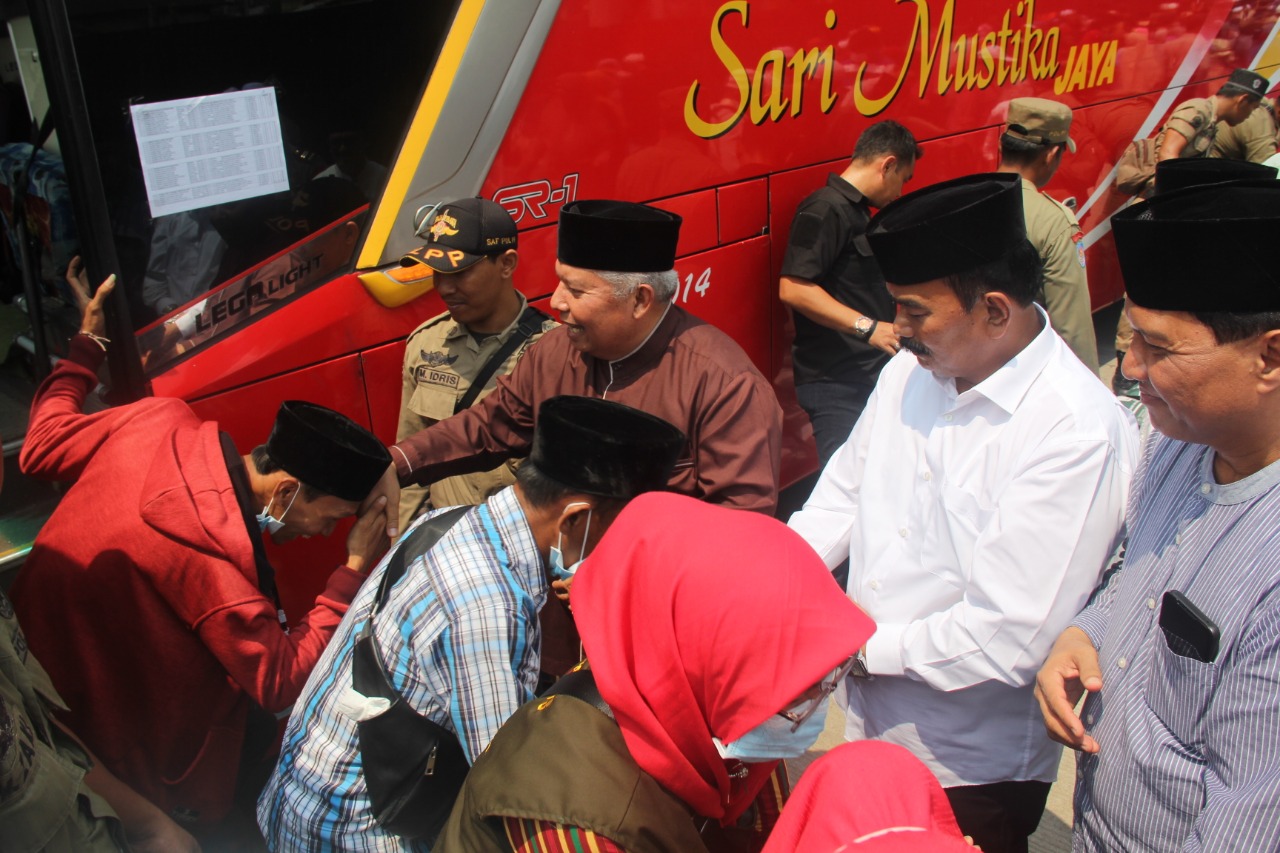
<point>147,595</point>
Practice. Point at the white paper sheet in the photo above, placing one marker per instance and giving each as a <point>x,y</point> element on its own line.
<point>198,152</point>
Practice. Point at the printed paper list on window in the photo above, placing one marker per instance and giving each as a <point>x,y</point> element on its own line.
<point>198,152</point>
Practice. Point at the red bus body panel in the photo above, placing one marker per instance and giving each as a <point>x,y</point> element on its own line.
<point>729,113</point>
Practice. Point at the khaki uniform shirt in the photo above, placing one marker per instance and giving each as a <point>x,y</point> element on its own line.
<point>440,360</point>
<point>1053,229</point>
<point>1254,139</point>
<point>1194,120</point>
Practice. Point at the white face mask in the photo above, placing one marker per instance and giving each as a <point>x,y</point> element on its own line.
<point>558,569</point>
<point>268,523</point>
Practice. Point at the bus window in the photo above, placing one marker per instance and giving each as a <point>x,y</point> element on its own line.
<point>344,75</point>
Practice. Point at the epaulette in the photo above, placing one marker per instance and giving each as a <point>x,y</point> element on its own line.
<point>1071,214</point>
<point>427,325</point>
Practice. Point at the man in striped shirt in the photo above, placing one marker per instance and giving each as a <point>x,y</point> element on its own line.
<point>458,634</point>
<point>1179,651</point>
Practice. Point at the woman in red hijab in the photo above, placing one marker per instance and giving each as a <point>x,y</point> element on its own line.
<point>709,632</point>
<point>868,797</point>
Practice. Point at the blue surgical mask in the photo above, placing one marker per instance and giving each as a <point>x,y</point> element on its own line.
<point>557,557</point>
<point>268,523</point>
<point>773,740</point>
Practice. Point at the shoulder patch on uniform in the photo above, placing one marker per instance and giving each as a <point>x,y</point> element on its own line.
<point>1078,238</point>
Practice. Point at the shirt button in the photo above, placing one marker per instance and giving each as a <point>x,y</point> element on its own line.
<point>1088,719</point>
<point>928,475</point>
<point>874,584</point>
<point>903,532</point>
<point>1205,488</point>
<point>1151,604</point>
<point>1177,539</point>
<point>1122,663</point>
<point>948,417</point>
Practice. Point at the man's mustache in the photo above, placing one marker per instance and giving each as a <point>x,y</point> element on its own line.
<point>915,346</point>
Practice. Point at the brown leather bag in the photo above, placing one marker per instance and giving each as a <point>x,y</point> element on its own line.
<point>1137,167</point>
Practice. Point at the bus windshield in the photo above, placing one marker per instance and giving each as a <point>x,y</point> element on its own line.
<point>333,83</point>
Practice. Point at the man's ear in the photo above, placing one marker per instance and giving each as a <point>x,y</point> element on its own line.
<point>573,515</point>
<point>283,489</point>
<point>643,299</point>
<point>887,165</point>
<point>998,308</point>
<point>1268,356</point>
<point>507,262</point>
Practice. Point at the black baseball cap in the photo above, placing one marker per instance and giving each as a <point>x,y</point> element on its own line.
<point>461,233</point>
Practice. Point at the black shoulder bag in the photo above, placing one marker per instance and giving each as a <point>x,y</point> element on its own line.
<point>413,767</point>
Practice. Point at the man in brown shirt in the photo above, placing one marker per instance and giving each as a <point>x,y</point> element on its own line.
<point>624,340</point>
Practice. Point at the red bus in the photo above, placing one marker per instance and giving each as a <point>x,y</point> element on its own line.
<point>725,111</point>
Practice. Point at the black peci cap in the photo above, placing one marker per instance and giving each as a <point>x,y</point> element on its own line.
<point>948,228</point>
<point>1179,173</point>
<point>618,236</point>
<point>604,448</point>
<point>326,450</point>
<point>1204,248</point>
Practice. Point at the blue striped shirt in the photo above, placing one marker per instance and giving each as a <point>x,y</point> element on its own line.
<point>459,635</point>
<point>1189,752</point>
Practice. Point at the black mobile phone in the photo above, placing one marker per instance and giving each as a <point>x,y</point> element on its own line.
<point>1187,630</point>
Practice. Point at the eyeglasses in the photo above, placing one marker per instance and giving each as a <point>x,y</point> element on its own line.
<point>808,707</point>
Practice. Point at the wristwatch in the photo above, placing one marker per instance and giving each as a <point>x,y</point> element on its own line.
<point>859,668</point>
<point>863,327</point>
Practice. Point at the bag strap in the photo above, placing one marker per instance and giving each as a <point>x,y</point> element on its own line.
<point>581,684</point>
<point>369,671</point>
<point>530,321</point>
<point>420,541</point>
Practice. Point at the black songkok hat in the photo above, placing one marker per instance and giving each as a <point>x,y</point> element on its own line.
<point>618,236</point>
<point>948,228</point>
<point>1205,248</point>
<point>326,450</point>
<point>604,448</point>
<point>1180,173</point>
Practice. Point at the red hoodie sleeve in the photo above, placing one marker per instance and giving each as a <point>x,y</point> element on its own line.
<point>268,664</point>
<point>61,438</point>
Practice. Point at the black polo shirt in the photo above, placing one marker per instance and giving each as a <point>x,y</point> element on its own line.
<point>828,246</point>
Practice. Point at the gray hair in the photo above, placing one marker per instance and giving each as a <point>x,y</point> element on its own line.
<point>664,284</point>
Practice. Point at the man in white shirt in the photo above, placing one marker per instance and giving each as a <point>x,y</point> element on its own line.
<point>977,499</point>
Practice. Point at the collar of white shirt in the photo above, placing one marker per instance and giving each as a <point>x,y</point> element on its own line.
<point>1008,386</point>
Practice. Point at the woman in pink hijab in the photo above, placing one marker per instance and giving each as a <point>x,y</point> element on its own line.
<point>714,638</point>
<point>868,797</point>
